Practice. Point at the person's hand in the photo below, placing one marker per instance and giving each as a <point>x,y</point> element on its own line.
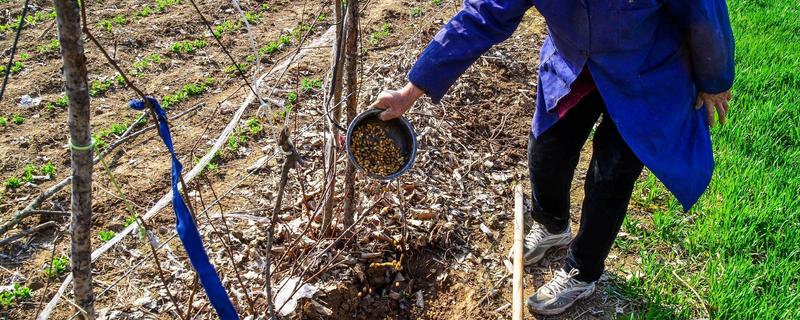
<point>396,102</point>
<point>712,101</point>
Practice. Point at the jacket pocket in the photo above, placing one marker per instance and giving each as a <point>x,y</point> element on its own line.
<point>628,5</point>
<point>637,26</point>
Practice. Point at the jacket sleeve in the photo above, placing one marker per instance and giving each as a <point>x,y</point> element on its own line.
<point>477,27</point>
<point>708,30</point>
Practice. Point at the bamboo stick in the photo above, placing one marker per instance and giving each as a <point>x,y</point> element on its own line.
<point>519,235</point>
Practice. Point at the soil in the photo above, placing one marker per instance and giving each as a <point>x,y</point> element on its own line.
<point>452,211</point>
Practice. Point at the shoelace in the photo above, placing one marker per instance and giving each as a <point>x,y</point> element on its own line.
<point>536,235</point>
<point>561,281</point>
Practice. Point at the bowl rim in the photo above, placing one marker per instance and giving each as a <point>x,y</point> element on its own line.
<point>404,123</point>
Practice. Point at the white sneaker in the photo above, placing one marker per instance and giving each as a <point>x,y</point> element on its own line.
<point>560,293</point>
<point>539,240</point>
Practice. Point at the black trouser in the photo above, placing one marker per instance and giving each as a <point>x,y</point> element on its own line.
<point>552,158</point>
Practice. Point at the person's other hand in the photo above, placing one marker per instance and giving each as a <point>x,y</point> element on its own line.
<point>396,102</point>
<point>713,102</point>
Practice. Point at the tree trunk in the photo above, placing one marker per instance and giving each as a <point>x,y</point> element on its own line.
<point>71,40</point>
<point>334,97</point>
<point>351,78</point>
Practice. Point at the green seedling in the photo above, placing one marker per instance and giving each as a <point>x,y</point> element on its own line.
<point>131,219</point>
<point>274,46</point>
<point>99,88</point>
<point>10,297</point>
<point>192,89</point>
<point>281,114</point>
<point>144,12</point>
<point>3,121</point>
<point>48,169</point>
<point>376,37</point>
<point>17,119</point>
<point>27,174</point>
<point>227,26</point>
<point>300,31</point>
<point>99,143</point>
<point>105,24</point>
<point>51,46</point>
<point>161,5</point>
<point>211,166</point>
<point>39,16</point>
<point>188,46</point>
<point>119,128</point>
<point>322,17</point>
<point>106,236</point>
<point>437,2</point>
<point>237,139</point>
<point>310,84</point>
<point>17,67</point>
<point>143,64</point>
<point>62,102</point>
<point>119,80</point>
<point>415,12</point>
<point>12,183</point>
<point>291,98</point>
<point>57,267</point>
<point>254,125</point>
<point>120,20</point>
<point>24,56</point>
<point>252,17</point>
<point>232,70</point>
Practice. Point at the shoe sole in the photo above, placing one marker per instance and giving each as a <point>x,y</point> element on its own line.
<point>556,246</point>
<point>552,312</point>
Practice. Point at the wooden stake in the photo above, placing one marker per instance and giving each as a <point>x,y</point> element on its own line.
<point>519,236</point>
<point>351,78</point>
<point>333,100</point>
<point>75,75</point>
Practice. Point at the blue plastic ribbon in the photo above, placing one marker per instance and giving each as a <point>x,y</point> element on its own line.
<point>187,230</point>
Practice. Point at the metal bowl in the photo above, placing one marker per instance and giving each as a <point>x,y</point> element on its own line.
<point>399,130</point>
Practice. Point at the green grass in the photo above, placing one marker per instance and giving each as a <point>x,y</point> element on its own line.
<point>739,248</point>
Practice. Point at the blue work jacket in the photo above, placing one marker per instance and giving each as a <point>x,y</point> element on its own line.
<point>648,59</point>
